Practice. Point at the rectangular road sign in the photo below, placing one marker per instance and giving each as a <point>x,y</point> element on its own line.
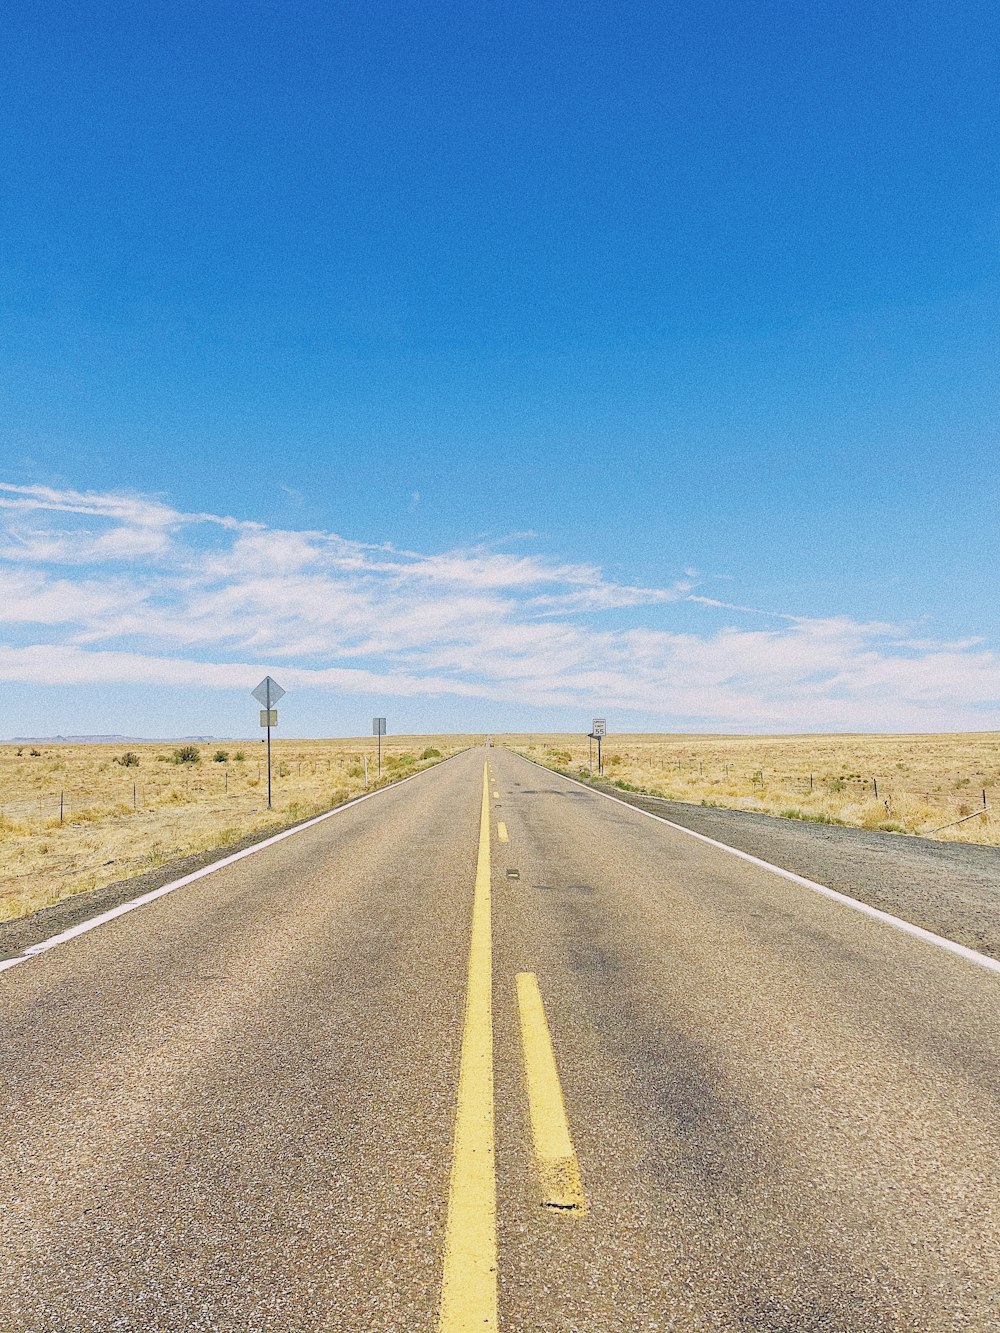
<point>600,727</point>
<point>268,717</point>
<point>378,726</point>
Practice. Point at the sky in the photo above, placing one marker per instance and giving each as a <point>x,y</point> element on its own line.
<point>494,367</point>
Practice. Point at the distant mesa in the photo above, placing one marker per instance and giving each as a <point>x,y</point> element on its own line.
<point>108,740</point>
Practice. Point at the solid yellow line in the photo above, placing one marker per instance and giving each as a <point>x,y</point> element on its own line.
<point>558,1169</point>
<point>502,831</point>
<point>469,1287</point>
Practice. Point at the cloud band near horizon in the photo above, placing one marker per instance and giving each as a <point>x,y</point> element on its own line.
<point>99,588</point>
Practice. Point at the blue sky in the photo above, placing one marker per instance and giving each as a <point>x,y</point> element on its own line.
<point>500,343</point>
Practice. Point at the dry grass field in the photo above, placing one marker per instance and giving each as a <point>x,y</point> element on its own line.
<point>73,817</point>
<point>902,784</point>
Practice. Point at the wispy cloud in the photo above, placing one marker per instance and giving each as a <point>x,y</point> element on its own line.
<point>107,587</point>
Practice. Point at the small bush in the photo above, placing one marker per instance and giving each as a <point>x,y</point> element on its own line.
<point>240,757</point>
<point>431,753</point>
<point>355,771</point>
<point>220,757</point>
<point>282,771</point>
<point>187,754</point>
<point>128,760</point>
<point>35,753</point>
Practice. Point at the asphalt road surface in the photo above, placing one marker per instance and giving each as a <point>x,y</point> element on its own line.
<point>315,1090</point>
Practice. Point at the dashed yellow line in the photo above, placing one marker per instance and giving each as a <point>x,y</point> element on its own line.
<point>469,1285</point>
<point>558,1168</point>
<point>502,833</point>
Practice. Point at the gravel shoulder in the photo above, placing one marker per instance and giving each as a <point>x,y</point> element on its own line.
<point>950,888</point>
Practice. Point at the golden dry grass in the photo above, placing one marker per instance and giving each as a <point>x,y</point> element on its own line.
<point>120,821</point>
<point>922,781</point>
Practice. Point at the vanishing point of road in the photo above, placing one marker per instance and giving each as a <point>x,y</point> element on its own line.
<point>489,1050</point>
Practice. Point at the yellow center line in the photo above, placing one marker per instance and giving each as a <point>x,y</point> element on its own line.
<point>558,1168</point>
<point>502,831</point>
<point>469,1286</point>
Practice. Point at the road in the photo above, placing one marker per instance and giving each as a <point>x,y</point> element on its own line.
<point>291,1096</point>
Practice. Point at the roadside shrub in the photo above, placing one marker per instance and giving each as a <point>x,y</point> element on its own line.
<point>35,753</point>
<point>128,760</point>
<point>355,771</point>
<point>187,754</point>
<point>240,757</point>
<point>220,757</point>
<point>431,753</point>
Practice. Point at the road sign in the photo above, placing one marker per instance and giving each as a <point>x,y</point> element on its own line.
<point>268,692</point>
<point>378,726</point>
<point>600,727</point>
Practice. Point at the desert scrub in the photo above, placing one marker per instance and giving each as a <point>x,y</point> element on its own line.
<point>928,781</point>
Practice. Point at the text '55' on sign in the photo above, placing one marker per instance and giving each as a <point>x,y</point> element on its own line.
<point>268,717</point>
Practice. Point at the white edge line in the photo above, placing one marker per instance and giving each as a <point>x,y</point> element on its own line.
<point>103,918</point>
<point>887,919</point>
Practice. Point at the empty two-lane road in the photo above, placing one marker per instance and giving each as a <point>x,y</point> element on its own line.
<point>315,1090</point>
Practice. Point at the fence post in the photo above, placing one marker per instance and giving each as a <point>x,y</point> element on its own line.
<point>62,794</point>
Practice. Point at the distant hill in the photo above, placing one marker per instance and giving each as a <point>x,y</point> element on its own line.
<point>109,740</point>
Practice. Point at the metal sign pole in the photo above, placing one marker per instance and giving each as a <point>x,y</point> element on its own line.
<point>600,766</point>
<point>268,707</point>
<point>268,692</point>
<point>378,731</point>
<point>268,759</point>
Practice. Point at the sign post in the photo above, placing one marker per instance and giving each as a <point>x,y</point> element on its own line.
<point>268,692</point>
<point>598,732</point>
<point>378,729</point>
